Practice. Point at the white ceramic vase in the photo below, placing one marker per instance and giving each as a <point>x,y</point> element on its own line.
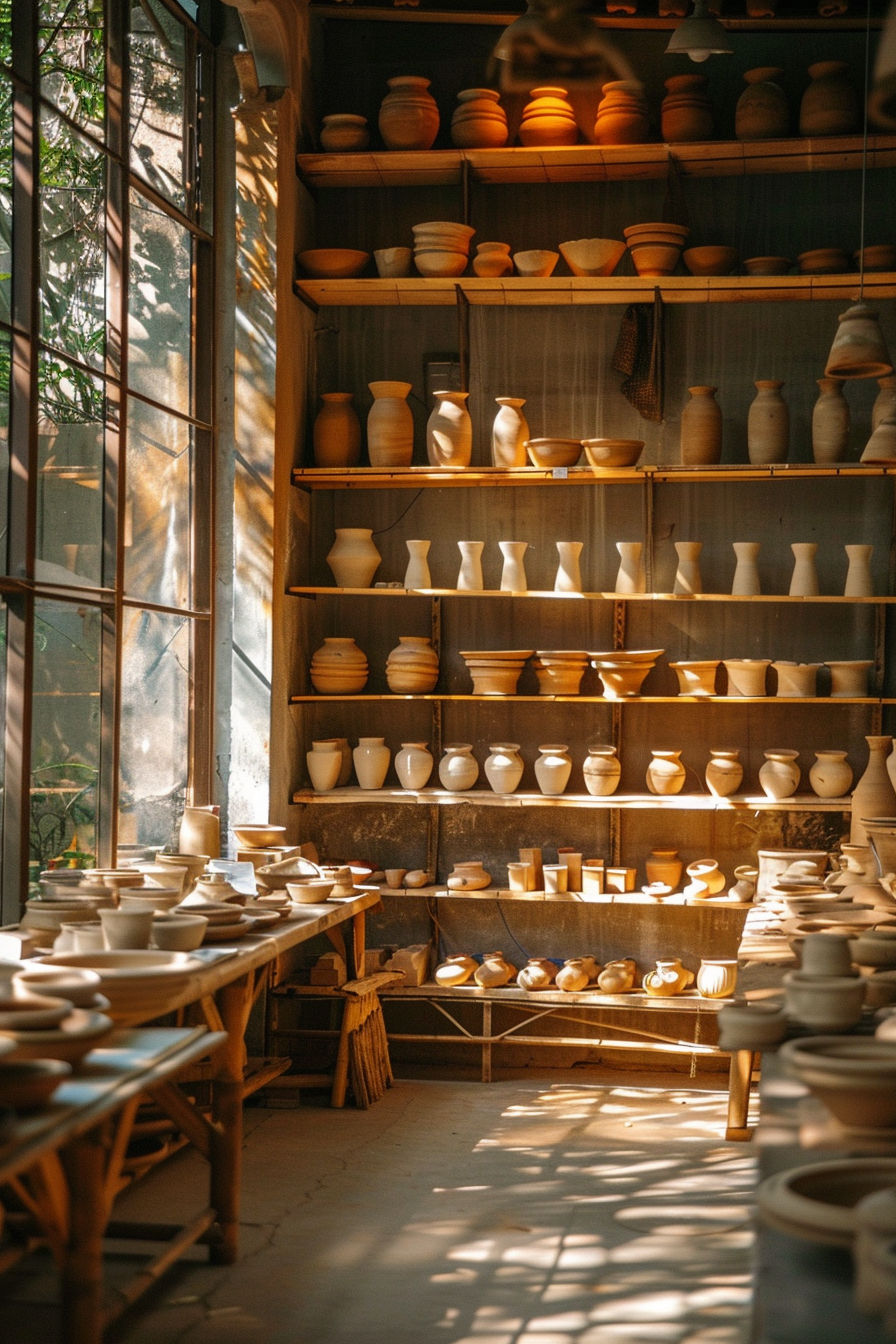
<point>552,769</point>
<point>804,580</point>
<point>780,776</point>
<point>716,978</point>
<point>469,578</point>
<point>417,574</point>
<point>746,572</point>
<point>390,425</point>
<point>504,767</point>
<point>353,557</point>
<point>449,431</point>
<point>569,573</point>
<point>602,771</point>
<point>458,768</point>
<point>371,757</point>
<point>509,433</point>
<point>324,762</point>
<point>687,576</point>
<point>859,582</point>
<point>413,765</point>
<point>513,574</point>
<point>831,776</point>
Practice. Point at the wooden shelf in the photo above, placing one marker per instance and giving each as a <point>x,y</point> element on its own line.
<point>542,595</point>
<point>440,478</point>
<point>595,699</point>
<point>682,802</point>
<point>593,163</point>
<point>735,23</point>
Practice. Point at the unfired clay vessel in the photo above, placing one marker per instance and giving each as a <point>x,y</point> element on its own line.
<point>353,557</point>
<point>602,770</point>
<point>669,978</point>
<point>494,971</point>
<point>831,776</point>
<point>768,424</point>
<point>553,768</point>
<point>468,876</point>
<point>504,767</point>
<point>324,765</point>
<point>746,676</point>
<point>412,668</point>
<point>724,773</point>
<point>631,577</point>
<point>509,433</point>
<point>573,976</point>
<point>780,776</point>
<point>664,866</point>
<point>804,580</point>
<point>390,425</point>
<point>458,768</point>
<point>338,667</point>
<point>449,431</point>
<point>830,422</point>
<point>417,574</point>
<point>688,580</point>
<point>469,578</point>
<point>548,119</point>
<point>455,971</point>
<point>371,757</point>
<point>717,978</point>
<point>538,973</point>
<point>479,120</point>
<point>859,582</point>
<point>617,976</point>
<point>829,106</point>
<point>746,572</point>
<point>701,428</point>
<point>665,773</point>
<point>762,112</point>
<point>569,574</point>
<point>337,432</point>
<point>413,765</point>
<point>513,573</point>
<point>874,795</point>
<point>408,117</point>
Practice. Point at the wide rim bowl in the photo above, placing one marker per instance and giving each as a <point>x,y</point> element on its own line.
<point>333,263</point>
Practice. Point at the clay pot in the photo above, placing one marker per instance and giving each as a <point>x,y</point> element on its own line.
<point>831,777</point>
<point>455,971</point>
<point>717,978</point>
<point>701,429</point>
<point>780,776</point>
<point>768,424</point>
<point>393,263</point>
<point>617,976</point>
<point>413,765</point>
<point>762,112</point>
<point>339,667</point>
<point>126,928</point>
<point>408,117</point>
<point>858,349</point>
<point>560,673</point>
<point>469,578</point>
<point>324,762</point>
<point>655,248</point>
<point>825,955</point>
<point>724,773</point>
<point>568,578</point>
<point>509,433</point>
<point>696,678</point>
<point>849,679</point>
<point>449,431</point>
<point>479,120</point>
<point>744,888</point>
<point>686,113</point>
<point>553,769</point>
<point>874,795</point>
<point>796,680</point>
<point>536,262</point>
<point>573,976</point>
<point>492,260</point>
<point>494,971</point>
<point>688,579</point>
<point>750,1026</point>
<point>631,576</point>
<point>504,767</point>
<point>881,447</point>
<point>345,753</point>
<point>337,432</point>
<point>829,106</point>
<point>390,425</point>
<point>665,773</point>
<point>885,402</point>
<point>417,574</point>
<point>706,875</point>
<point>664,866</point>
<point>621,114</point>
<point>371,758</point>
<point>592,256</point>
<point>538,973</point>
<point>710,260</point>
<point>824,1003</point>
<point>458,768</point>
<point>343,132</point>
<point>669,978</point>
<point>830,422</point>
<point>602,771</point>
<point>353,557</point>
<point>859,582</point>
<point>548,119</point>
<point>412,668</point>
<point>492,675</point>
<point>746,572</point>
<point>468,876</point>
<point>513,573</point>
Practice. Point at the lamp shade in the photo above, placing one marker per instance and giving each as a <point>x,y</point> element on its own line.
<point>699,36</point>
<point>882,99</point>
<point>859,349</point>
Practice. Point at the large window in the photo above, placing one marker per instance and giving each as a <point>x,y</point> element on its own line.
<point>106,400</point>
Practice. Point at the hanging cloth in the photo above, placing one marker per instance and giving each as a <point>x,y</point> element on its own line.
<point>639,355</point>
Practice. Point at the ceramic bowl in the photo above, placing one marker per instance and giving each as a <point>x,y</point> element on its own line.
<point>592,256</point>
<point>620,680</point>
<point>460,234</point>
<point>136,983</point>
<point>158,899</point>
<point>50,916</point>
<point>767,265</point>
<point>822,1003</point>
<point>824,261</point>
<point>878,257</point>
<point>875,948</point>
<point>817,1202</point>
<point>710,260</point>
<point>854,1077</point>
<point>178,933</point>
<point>333,263</point>
<point>260,837</point>
<point>436,262</point>
<point>28,1084</point>
<point>31,1012</point>
<point>193,863</point>
<point>229,933</point>
<point>602,453</point>
<point>116,878</point>
<point>164,875</point>
<point>550,453</point>
<point>654,259</point>
<point>78,987</point>
<point>216,912</point>
<point>274,876</point>
<point>80,1032</point>
<point>311,891</point>
<point>625,656</point>
<point>751,1026</point>
<point>536,263</point>
<point>657,232</point>
<point>393,263</point>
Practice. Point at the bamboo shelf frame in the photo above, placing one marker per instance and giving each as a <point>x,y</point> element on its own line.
<point>413,478</point>
<point>682,802</point>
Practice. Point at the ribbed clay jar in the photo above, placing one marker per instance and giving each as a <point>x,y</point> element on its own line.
<point>768,424</point>
<point>686,113</point>
<point>548,119</point>
<point>409,117</point>
<point>412,668</point>
<point>762,112</point>
<point>830,105</point>
<point>337,432</point>
<point>621,114</point>
<point>338,667</point>
<point>390,425</point>
<point>701,429</point>
<point>479,120</point>
<point>602,771</point>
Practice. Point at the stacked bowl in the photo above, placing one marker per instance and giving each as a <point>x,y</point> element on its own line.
<point>560,671</point>
<point>496,671</point>
<point>622,671</point>
<point>441,248</point>
<point>655,248</point>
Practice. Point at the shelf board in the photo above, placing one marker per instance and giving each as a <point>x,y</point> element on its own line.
<point>682,802</point>
<point>413,478</point>
<point>516,291</point>
<point>549,594</point>
<point>595,699</point>
<point>594,163</point>
<point>743,23</point>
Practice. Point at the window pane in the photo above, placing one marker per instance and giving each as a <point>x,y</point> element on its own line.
<point>158,92</point>
<point>70,457</point>
<point>5,195</point>
<point>65,743</point>
<point>72,64</point>
<point>154,726</point>
<point>159,306</point>
<point>157,525</point>
<point>72,242</point>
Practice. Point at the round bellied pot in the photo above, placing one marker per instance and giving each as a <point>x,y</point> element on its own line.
<point>548,119</point>
<point>686,112</point>
<point>830,422</point>
<point>830,105</point>
<point>339,667</point>
<point>390,425</point>
<point>458,768</point>
<point>724,772</point>
<point>337,432</point>
<point>509,433</point>
<point>449,431</point>
<point>494,971</point>
<point>371,757</point>
<point>717,978</point>
<point>768,424</point>
<point>553,768</point>
<point>469,876</point>
<point>780,775</point>
<point>669,978</point>
<point>408,116</point>
<point>413,765</point>
<point>343,132</point>
<point>455,970</point>
<point>324,765</point>
<point>602,771</point>
<point>617,976</point>
<point>831,776</point>
<point>664,866</point>
<point>412,668</point>
<point>504,767</point>
<point>492,260</point>
<point>665,773</point>
<point>621,114</point>
<point>479,120</point>
<point>538,973</point>
<point>353,558</point>
<point>701,428</point>
<point>762,112</point>
<point>573,975</point>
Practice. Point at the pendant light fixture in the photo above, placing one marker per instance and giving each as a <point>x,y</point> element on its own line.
<point>699,36</point>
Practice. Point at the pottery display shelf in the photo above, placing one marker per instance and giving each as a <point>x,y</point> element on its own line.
<point>413,478</point>
<point>682,699</point>
<point>681,802</point>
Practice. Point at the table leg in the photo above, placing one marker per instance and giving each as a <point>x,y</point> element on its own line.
<point>234,1003</point>
<point>486,1044</point>
<point>740,1073</point>
<point>82,1269</point>
<point>358,943</point>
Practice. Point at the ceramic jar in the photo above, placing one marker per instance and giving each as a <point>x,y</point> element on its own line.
<point>602,770</point>
<point>469,578</point>
<point>343,132</point>
<point>341,745</point>
<point>849,680</point>
<point>200,832</point>
<point>390,425</point>
<point>353,557</point>
<point>455,970</point>
<point>337,432</point>
<point>568,578</point>
<point>409,117</point>
<point>884,407</point>
<point>830,422</point>
<point>573,976</point>
<point>744,888</point>
<point>413,765</point>
<point>831,776</point>
<point>492,260</point>
<point>686,113</point>
<point>617,976</point>
<point>458,768</point>
<point>874,795</point>
<point>706,875</point>
<point>697,678</point>
<point>621,114</point>
<point>746,676</point>
<point>469,876</point>
<point>548,119</point>
<point>716,978</point>
<point>631,577</point>
<point>494,971</point>
<point>724,773</point>
<point>513,573</point>
<point>509,433</point>
<point>762,112</point>
<point>339,667</point>
<point>746,572</point>
<point>669,978</point>
<point>804,580</point>
<point>553,769</point>
<point>479,120</point>
<point>701,429</point>
<point>417,574</point>
<point>371,757</point>
<point>504,767</point>
<point>324,762</point>
<point>768,424</point>
<point>664,866</point>
<point>829,106</point>
<point>665,773</point>
<point>780,776</point>
<point>538,973</point>
<point>412,668</point>
<point>859,582</point>
<point>449,431</point>
<point>796,681</point>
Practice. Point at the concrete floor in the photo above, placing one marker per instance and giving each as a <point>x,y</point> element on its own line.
<point>538,1211</point>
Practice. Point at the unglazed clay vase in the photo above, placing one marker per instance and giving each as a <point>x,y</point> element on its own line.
<point>780,776</point>
<point>829,106</point>
<point>717,978</point>
<point>412,668</point>
<point>686,113</point>
<point>762,112</point>
<point>849,680</point>
<point>859,582</point>
<point>548,119</point>
<point>324,762</point>
<point>746,572</point>
<point>504,767</point>
<point>621,114</point>
<point>492,260</point>
<point>469,578</point>
<point>768,424</point>
<point>804,580</point>
<point>881,447</point>
<point>509,433</point>
<point>371,757</point>
<point>669,978</point>
<point>830,422</point>
<point>479,120</point>
<point>337,432</point>
<point>664,866</point>
<point>744,888</point>
<point>408,117</point>
<point>538,973</point>
<point>513,573</point>
<point>746,676</point>
<point>494,971</point>
<point>417,574</point>
<point>449,431</point>
<point>631,577</point>
<point>724,773</point>
<point>706,874</point>
<point>199,833</point>
<point>573,975</point>
<point>413,765</point>
<point>390,425</point>
<point>552,769</point>
<point>884,407</point>
<point>338,667</point>
<point>665,773</point>
<point>458,768</point>
<point>353,558</point>
<point>342,132</point>
<point>469,876</point>
<point>796,680</point>
<point>345,752</point>
<point>688,580</point>
<point>831,776</point>
<point>698,677</point>
<point>455,971</point>
<point>874,795</point>
<point>602,770</point>
<point>701,429</point>
<point>569,574</point>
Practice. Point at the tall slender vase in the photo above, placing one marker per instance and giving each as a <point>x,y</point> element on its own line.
<point>701,429</point>
<point>885,403</point>
<point>337,432</point>
<point>874,795</point>
<point>449,431</point>
<point>417,573</point>
<point>569,574</point>
<point>513,575</point>
<point>390,426</point>
<point>746,573</point>
<point>469,579</point>
<point>687,577</point>
<point>859,582</point>
<point>509,433</point>
<point>768,424</point>
<point>804,580</point>
<point>631,577</point>
<point>830,422</point>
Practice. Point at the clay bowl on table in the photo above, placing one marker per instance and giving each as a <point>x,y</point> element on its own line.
<point>81,1032</point>
<point>603,453</point>
<point>537,263</point>
<point>817,1202</point>
<point>333,263</point>
<point>135,982</point>
<point>116,878</point>
<point>767,265</point>
<point>710,260</point>
<point>550,453</point>
<point>178,933</point>
<point>215,912</point>
<point>163,875</point>
<point>27,1084</point>
<point>80,988</point>
<point>310,891</point>
<point>878,257</point>
<point>32,1012</point>
<point>274,876</point>
<point>195,865</point>
<point>824,261</point>
<point>262,918</point>
<point>854,1077</point>
<point>260,837</point>
<point>229,933</point>
<point>593,256</point>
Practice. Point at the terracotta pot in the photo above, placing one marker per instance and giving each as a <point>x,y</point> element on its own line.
<point>469,579</point>
<point>413,765</point>
<point>621,114</point>
<point>780,776</point>
<point>449,431</point>
<point>538,262</point>
<point>569,574</point>
<point>494,971</point>
<point>701,429</point>
<point>560,674</point>
<point>874,795</point>
<point>504,767</point>
<point>353,557</point>
<point>538,973</point>
<point>665,773</point>
<point>859,582</point>
<point>492,260</point>
<point>849,679</point>
<point>696,678</point>
<point>762,112</point>
<point>717,978</point>
<point>746,581</point>
<point>393,263</point>
<point>513,573</point>
<point>548,119</point>
<point>339,667</point>
<point>371,757</point>
<point>573,976</point>
<point>655,248</point>
<point>417,574</point>
<point>344,131</point>
<point>829,106</point>
<point>409,117</point>
<point>687,576</point>
<point>553,769</point>
<point>686,112</point>
<point>796,680</point>
<point>390,425</point>
<point>412,668</point>
<point>724,773</point>
<point>804,580</point>
<point>494,676</point>
<point>885,401</point>
<point>455,971</point>
<point>831,777</point>
<point>479,122</point>
<point>324,762</point>
<point>509,433</point>
<point>768,424</point>
<point>631,576</point>
<point>710,260</point>
<point>602,771</point>
<point>469,876</point>
<point>664,866</point>
<point>337,432</point>
<point>830,422</point>
<point>617,976</point>
<point>458,768</point>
